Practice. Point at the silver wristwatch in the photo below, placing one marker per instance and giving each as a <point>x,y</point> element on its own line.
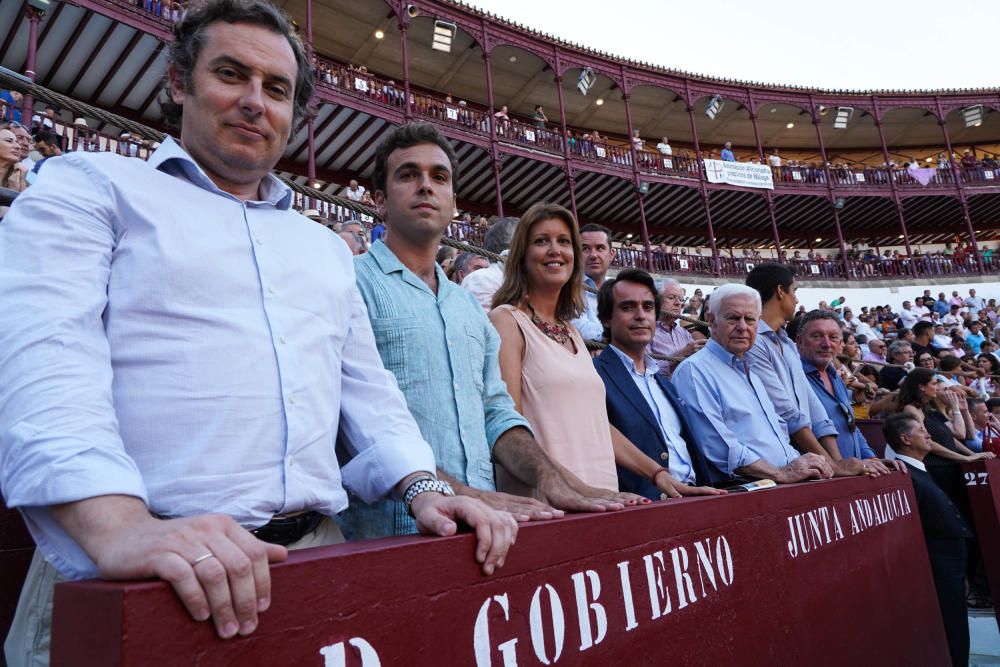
<point>424,484</point>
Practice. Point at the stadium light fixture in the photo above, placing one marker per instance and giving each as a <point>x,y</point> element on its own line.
<point>444,34</point>
<point>41,5</point>
<point>588,77</point>
<point>714,107</point>
<point>817,240</point>
<point>973,115</point>
<point>790,125</point>
<point>379,34</point>
<point>844,115</point>
<point>599,101</point>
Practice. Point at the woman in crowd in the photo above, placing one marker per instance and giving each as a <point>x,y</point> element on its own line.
<point>545,363</point>
<point>926,360</point>
<point>945,414</point>
<point>986,385</point>
<point>13,174</point>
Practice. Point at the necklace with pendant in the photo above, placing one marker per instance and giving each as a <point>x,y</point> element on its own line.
<point>557,332</point>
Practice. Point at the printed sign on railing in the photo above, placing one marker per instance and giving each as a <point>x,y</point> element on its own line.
<point>744,174</point>
<point>706,581</point>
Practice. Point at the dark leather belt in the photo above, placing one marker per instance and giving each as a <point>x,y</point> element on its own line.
<point>285,530</point>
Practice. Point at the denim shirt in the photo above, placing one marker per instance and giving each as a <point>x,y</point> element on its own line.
<point>443,351</point>
<point>837,406</point>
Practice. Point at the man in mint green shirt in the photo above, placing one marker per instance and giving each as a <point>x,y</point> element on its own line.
<point>435,338</point>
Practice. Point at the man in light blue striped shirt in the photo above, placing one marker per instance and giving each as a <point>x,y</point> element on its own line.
<point>776,362</point>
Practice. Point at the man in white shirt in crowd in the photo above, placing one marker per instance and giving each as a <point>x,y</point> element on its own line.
<point>664,147</point>
<point>922,311</point>
<point>907,316</point>
<point>597,256</point>
<point>169,409</point>
<point>485,282</point>
<point>953,319</point>
<point>354,192</point>
<point>974,303</point>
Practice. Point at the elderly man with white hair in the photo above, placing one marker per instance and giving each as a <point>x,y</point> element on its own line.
<point>728,410</point>
<point>671,339</point>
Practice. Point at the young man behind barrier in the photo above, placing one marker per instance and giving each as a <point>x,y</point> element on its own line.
<point>776,362</point>
<point>172,377</point>
<point>436,339</point>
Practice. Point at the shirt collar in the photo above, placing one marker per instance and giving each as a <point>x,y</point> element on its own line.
<point>726,356</point>
<point>764,328</point>
<point>588,281</point>
<point>809,367</point>
<point>919,465</point>
<point>648,362</point>
<point>172,159</point>
<point>389,263</point>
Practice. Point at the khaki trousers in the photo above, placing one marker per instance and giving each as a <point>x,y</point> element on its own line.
<point>30,634</point>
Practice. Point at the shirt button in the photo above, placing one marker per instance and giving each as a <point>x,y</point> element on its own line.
<point>281,339</point>
<point>663,496</point>
<point>270,290</point>
<point>257,240</point>
<point>291,400</point>
<point>664,456</point>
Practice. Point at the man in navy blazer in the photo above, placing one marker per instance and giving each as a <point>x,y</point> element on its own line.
<point>641,403</point>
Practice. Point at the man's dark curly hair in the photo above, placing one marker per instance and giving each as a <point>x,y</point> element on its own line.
<point>189,39</point>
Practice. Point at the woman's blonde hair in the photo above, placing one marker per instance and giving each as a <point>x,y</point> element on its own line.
<point>515,280</point>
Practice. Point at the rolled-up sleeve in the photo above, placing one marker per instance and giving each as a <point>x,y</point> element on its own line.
<point>703,409</point>
<point>822,425</point>
<point>378,428</point>
<point>59,439</point>
<point>864,448</point>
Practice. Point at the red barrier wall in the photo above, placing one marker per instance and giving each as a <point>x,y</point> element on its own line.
<point>982,482</point>
<point>872,430</point>
<point>823,573</point>
<point>16,549</point>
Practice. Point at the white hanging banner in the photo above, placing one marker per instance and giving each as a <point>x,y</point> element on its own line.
<point>744,174</point>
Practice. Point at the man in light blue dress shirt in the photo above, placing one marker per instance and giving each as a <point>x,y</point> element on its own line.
<point>437,341</point>
<point>776,362</point>
<point>178,349</point>
<point>595,240</point>
<point>727,407</point>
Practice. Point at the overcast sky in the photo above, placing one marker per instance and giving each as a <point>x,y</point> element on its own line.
<point>845,44</point>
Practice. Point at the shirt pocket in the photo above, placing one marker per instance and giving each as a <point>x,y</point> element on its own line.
<point>399,342</point>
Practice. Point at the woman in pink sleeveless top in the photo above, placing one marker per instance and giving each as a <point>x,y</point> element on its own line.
<point>544,361</point>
